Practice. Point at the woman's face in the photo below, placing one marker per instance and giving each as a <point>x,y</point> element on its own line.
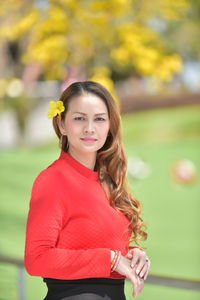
<point>86,124</point>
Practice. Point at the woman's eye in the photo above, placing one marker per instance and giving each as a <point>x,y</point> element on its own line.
<point>79,118</point>
<point>100,119</point>
<point>82,119</point>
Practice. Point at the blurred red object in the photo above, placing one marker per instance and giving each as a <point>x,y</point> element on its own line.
<point>183,171</point>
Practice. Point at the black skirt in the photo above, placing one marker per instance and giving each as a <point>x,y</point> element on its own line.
<point>85,289</point>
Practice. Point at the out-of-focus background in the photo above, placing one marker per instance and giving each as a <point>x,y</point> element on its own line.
<point>148,56</point>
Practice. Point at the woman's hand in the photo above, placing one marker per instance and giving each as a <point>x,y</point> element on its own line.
<point>124,268</point>
<point>140,261</point>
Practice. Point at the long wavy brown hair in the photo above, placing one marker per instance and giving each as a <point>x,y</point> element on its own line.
<point>111,162</point>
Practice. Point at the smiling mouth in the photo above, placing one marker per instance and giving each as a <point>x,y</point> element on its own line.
<point>89,140</point>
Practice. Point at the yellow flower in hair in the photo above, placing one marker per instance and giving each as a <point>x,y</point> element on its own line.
<point>55,109</point>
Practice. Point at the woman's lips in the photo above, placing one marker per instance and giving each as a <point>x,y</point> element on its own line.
<point>89,140</point>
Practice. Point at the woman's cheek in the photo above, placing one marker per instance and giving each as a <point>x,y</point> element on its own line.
<point>106,129</point>
<point>72,127</point>
<point>102,128</point>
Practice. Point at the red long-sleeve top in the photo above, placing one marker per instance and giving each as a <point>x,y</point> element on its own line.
<point>71,226</point>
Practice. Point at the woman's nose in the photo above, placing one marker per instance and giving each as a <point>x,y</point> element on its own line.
<point>89,128</point>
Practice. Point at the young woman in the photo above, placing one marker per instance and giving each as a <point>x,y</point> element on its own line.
<point>82,217</point>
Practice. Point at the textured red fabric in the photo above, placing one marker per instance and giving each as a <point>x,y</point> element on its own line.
<point>71,226</point>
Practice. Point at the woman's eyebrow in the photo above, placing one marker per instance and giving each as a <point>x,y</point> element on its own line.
<point>78,112</point>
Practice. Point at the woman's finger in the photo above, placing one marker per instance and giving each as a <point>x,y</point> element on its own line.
<point>143,263</point>
<point>140,284</point>
<point>137,256</point>
<point>135,259</point>
<point>148,268</point>
<point>129,255</point>
<point>134,282</point>
<point>144,270</point>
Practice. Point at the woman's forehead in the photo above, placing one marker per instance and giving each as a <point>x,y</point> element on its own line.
<point>87,104</point>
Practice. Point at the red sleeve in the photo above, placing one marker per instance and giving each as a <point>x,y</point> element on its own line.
<point>131,247</point>
<point>45,220</point>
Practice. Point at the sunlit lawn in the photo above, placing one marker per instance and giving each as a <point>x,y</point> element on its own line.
<point>158,137</point>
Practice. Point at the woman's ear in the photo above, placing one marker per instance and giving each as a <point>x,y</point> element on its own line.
<point>61,125</point>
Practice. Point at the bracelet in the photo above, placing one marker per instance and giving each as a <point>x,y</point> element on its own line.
<point>114,259</point>
<point>117,261</point>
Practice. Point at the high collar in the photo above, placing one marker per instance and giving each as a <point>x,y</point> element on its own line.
<point>83,170</point>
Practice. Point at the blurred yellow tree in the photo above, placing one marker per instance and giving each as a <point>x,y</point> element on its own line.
<point>47,38</point>
<point>183,36</point>
<point>91,34</point>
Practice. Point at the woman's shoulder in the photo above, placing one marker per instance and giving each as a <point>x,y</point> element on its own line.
<point>47,188</point>
<point>48,175</point>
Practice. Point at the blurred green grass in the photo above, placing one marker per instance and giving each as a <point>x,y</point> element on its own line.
<point>170,210</point>
<point>152,292</point>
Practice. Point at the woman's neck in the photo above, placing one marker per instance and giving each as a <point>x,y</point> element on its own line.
<point>87,160</point>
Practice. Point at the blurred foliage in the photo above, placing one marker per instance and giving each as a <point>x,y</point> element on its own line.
<point>104,40</point>
<point>183,35</point>
<point>12,96</point>
<point>102,75</point>
<point>117,34</point>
